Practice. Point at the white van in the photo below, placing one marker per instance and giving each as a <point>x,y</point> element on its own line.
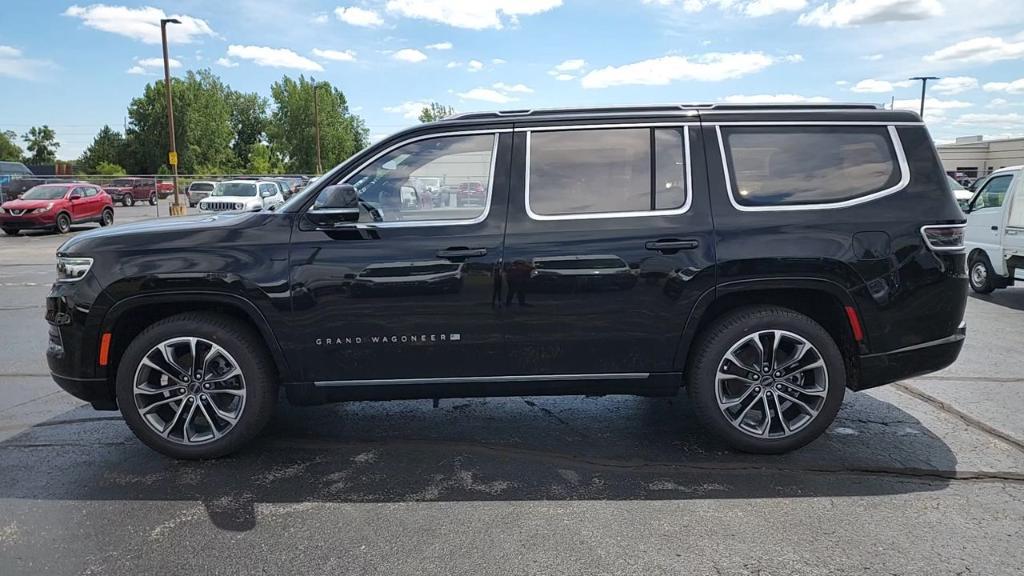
<point>995,231</point>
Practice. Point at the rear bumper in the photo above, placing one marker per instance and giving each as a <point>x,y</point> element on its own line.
<point>886,368</point>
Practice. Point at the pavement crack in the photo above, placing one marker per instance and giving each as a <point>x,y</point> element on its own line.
<point>971,421</point>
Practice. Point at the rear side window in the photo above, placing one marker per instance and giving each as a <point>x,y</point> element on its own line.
<point>808,165</point>
<point>606,173</point>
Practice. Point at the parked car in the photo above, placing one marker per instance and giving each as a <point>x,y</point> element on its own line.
<point>243,196</point>
<point>963,196</point>
<point>57,207</point>
<point>15,188</point>
<point>787,254</point>
<point>128,191</point>
<point>471,193</point>
<point>995,231</point>
<point>199,190</point>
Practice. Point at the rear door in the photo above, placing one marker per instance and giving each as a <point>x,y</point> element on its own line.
<point>406,295</point>
<point>609,245</point>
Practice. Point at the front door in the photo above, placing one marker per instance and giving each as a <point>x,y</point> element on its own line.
<point>986,219</point>
<point>408,292</point>
<point>609,245</point>
<point>80,207</point>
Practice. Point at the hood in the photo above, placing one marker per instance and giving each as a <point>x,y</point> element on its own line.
<point>22,204</point>
<point>174,228</point>
<point>236,199</point>
<point>117,187</point>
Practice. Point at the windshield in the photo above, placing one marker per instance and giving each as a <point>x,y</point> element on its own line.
<point>235,189</point>
<point>45,193</point>
<point>122,182</point>
<point>201,186</point>
<point>953,184</point>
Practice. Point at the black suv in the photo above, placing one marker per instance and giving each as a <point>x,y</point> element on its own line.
<point>764,257</point>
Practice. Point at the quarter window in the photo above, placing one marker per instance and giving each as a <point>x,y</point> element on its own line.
<point>447,178</point>
<point>575,173</point>
<point>793,166</point>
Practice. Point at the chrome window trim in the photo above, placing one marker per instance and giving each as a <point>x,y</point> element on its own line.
<point>897,147</point>
<point>605,215</point>
<point>495,132</point>
<point>478,379</point>
<point>813,123</point>
<point>961,248</point>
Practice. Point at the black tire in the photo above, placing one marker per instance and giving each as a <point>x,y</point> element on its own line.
<point>152,199</point>
<point>11,231</point>
<point>242,343</point>
<point>980,274</point>
<point>107,217</point>
<point>63,223</point>
<point>718,339</point>
<point>129,200</point>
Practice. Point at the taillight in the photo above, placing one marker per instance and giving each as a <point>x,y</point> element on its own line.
<point>944,238</point>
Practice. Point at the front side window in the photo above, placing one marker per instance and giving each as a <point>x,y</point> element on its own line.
<point>795,166</point>
<point>447,178</point>
<point>606,172</point>
<point>993,194</point>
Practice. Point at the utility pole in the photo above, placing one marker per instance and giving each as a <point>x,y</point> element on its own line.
<point>177,209</point>
<point>316,126</point>
<point>924,88</point>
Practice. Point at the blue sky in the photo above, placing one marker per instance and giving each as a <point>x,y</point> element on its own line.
<point>75,66</point>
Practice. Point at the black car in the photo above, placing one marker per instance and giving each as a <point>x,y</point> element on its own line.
<point>766,258</point>
<point>14,189</point>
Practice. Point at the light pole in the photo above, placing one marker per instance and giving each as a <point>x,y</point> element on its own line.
<point>177,209</point>
<point>924,86</point>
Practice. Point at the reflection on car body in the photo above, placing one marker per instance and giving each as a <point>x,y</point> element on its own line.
<point>408,278</point>
<point>581,273</point>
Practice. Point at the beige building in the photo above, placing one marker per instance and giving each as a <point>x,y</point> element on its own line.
<point>975,157</point>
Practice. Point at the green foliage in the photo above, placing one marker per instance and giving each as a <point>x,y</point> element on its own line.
<point>41,143</point>
<point>248,123</point>
<point>108,147</point>
<point>435,112</point>
<point>107,169</point>
<point>291,131</point>
<point>263,161</point>
<point>9,151</point>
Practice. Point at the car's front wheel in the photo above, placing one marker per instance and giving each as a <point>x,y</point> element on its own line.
<point>196,386</point>
<point>63,223</point>
<point>11,231</point>
<point>107,217</point>
<point>129,200</point>
<point>980,275</point>
<point>766,379</point>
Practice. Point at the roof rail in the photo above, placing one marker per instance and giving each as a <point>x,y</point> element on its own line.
<point>655,108</point>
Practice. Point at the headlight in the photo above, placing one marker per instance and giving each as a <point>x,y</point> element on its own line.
<point>72,269</point>
<point>239,206</point>
<point>41,210</point>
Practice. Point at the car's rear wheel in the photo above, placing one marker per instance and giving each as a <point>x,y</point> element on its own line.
<point>152,199</point>
<point>63,223</point>
<point>107,217</point>
<point>766,379</point>
<point>196,386</point>
<point>980,275</point>
<point>11,231</point>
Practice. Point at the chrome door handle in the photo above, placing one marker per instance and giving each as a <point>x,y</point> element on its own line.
<point>461,252</point>
<point>671,245</point>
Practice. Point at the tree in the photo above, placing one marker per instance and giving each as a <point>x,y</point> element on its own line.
<point>202,126</point>
<point>291,131</point>
<point>435,112</point>
<point>108,169</point>
<point>263,161</point>
<point>41,143</point>
<point>9,151</point>
<point>248,123</point>
<point>108,147</point>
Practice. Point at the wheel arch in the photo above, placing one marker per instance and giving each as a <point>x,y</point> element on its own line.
<point>821,300</point>
<point>129,317</point>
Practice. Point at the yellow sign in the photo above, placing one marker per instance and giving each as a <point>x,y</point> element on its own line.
<point>172,158</point>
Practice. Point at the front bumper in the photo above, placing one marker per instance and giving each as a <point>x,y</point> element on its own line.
<point>888,367</point>
<point>72,347</point>
<point>29,221</point>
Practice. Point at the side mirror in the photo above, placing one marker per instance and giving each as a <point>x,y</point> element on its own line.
<point>266,193</point>
<point>74,197</point>
<point>337,205</point>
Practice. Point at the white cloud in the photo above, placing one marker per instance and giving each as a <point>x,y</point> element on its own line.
<point>13,64</point>
<point>440,46</point>
<point>574,65</point>
<point>336,55</point>
<point>843,13</point>
<point>985,49</point>
<point>758,8</point>
<point>227,63</point>
<point>498,61</point>
<point>842,83</point>
<point>475,65</point>
<point>998,103</point>
<point>874,57</point>
<point>320,19</point>
<point>519,88</point>
<point>1015,87</point>
<point>453,64</point>
<point>711,67</point>
<point>776,99</point>
<point>472,14</point>
<point>136,70</point>
<point>157,62</point>
<point>752,8</point>
<point>930,104</point>
<point>953,85</point>
<point>1012,120</point>
<point>564,77</point>
<point>141,24</point>
<point>409,55</point>
<point>794,58</point>
<point>486,95</point>
<point>873,86</point>
<point>409,110</point>
<point>358,16</point>
<point>273,57</point>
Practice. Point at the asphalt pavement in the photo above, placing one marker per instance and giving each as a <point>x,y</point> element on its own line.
<point>924,477</point>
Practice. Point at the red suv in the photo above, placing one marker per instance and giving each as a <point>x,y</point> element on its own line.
<point>57,207</point>
<point>128,191</point>
<point>472,193</point>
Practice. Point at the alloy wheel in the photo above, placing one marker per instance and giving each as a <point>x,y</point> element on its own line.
<point>771,384</point>
<point>189,390</point>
